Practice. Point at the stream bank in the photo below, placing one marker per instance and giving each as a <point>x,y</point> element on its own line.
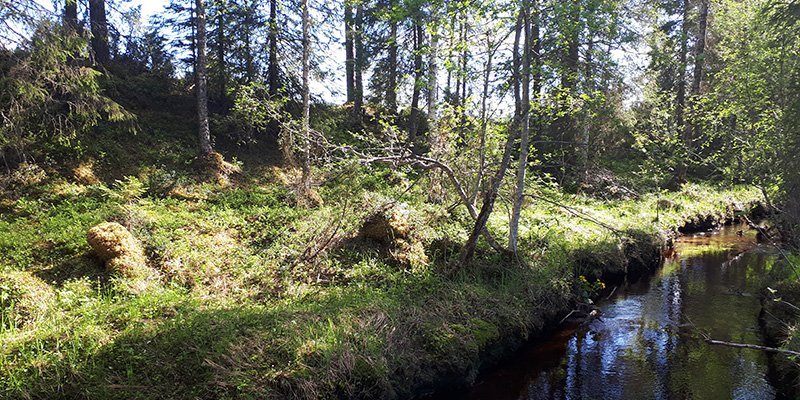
<point>643,255</point>
<point>648,341</point>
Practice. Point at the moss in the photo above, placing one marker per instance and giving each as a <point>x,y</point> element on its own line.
<point>118,249</point>
<point>24,299</point>
<point>388,224</point>
<point>84,173</point>
<point>483,332</point>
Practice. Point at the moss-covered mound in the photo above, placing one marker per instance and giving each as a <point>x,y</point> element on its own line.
<point>118,249</point>
<point>24,299</point>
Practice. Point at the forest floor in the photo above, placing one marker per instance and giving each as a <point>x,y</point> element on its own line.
<point>251,296</point>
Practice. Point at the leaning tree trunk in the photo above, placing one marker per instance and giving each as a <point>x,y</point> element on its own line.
<point>99,27</point>
<point>202,82</point>
<point>490,195</point>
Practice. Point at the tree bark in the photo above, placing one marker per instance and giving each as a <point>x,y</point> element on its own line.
<point>436,138</point>
<point>349,51</point>
<point>202,81</point>
<point>569,82</point>
<point>490,195</point>
<point>272,68</point>
<point>360,62</point>
<point>71,14</point>
<point>249,62</point>
<point>99,27</point>
<point>222,80</point>
<point>433,71</point>
<point>680,101</point>
<point>391,90</point>
<point>516,65</point>
<point>413,125</point>
<point>487,75</point>
<point>519,195</point>
<point>306,129</point>
<point>699,65</point>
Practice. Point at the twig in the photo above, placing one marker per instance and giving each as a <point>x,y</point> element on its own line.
<point>612,292</point>
<point>568,315</point>
<point>752,346</point>
<point>577,213</point>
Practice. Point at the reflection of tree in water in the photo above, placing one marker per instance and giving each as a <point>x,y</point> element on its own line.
<point>644,347</point>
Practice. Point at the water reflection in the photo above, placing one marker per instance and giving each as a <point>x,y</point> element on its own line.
<point>646,346</point>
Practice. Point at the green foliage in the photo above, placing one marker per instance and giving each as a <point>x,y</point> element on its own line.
<point>47,96</point>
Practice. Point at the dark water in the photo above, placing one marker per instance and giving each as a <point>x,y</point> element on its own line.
<point>647,344</point>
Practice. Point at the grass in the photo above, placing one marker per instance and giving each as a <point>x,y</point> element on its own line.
<point>258,298</point>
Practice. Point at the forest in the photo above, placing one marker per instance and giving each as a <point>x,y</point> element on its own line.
<point>390,199</point>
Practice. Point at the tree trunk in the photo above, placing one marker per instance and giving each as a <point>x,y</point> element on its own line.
<point>99,27</point>
<point>436,139</point>
<point>349,51</point>
<point>391,90</point>
<point>699,65</point>
<point>487,75</point>
<point>413,124</point>
<point>360,62</point>
<point>680,96</point>
<point>222,79</point>
<point>569,83</point>
<point>71,15</point>
<point>583,159</point>
<point>433,71</point>
<point>249,63</point>
<point>272,68</point>
<point>516,66</point>
<point>465,75</point>
<point>193,44</point>
<point>519,194</point>
<point>306,129</point>
<point>202,81</point>
<point>490,196</point>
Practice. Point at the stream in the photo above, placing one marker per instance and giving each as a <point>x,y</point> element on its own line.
<point>647,345</point>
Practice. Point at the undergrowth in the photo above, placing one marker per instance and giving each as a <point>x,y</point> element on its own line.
<point>258,298</point>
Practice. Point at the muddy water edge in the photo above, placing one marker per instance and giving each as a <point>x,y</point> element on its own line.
<point>648,342</point>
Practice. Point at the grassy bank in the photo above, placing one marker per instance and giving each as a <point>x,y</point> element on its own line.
<point>250,296</point>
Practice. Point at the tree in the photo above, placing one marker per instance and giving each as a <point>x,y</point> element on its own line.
<point>414,117</point>
<point>204,134</point>
<point>349,51</point>
<point>305,140</point>
<point>531,21</point>
<point>99,26</point>
<point>699,64</point>
<point>71,14</point>
<point>46,99</point>
<point>273,77</point>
